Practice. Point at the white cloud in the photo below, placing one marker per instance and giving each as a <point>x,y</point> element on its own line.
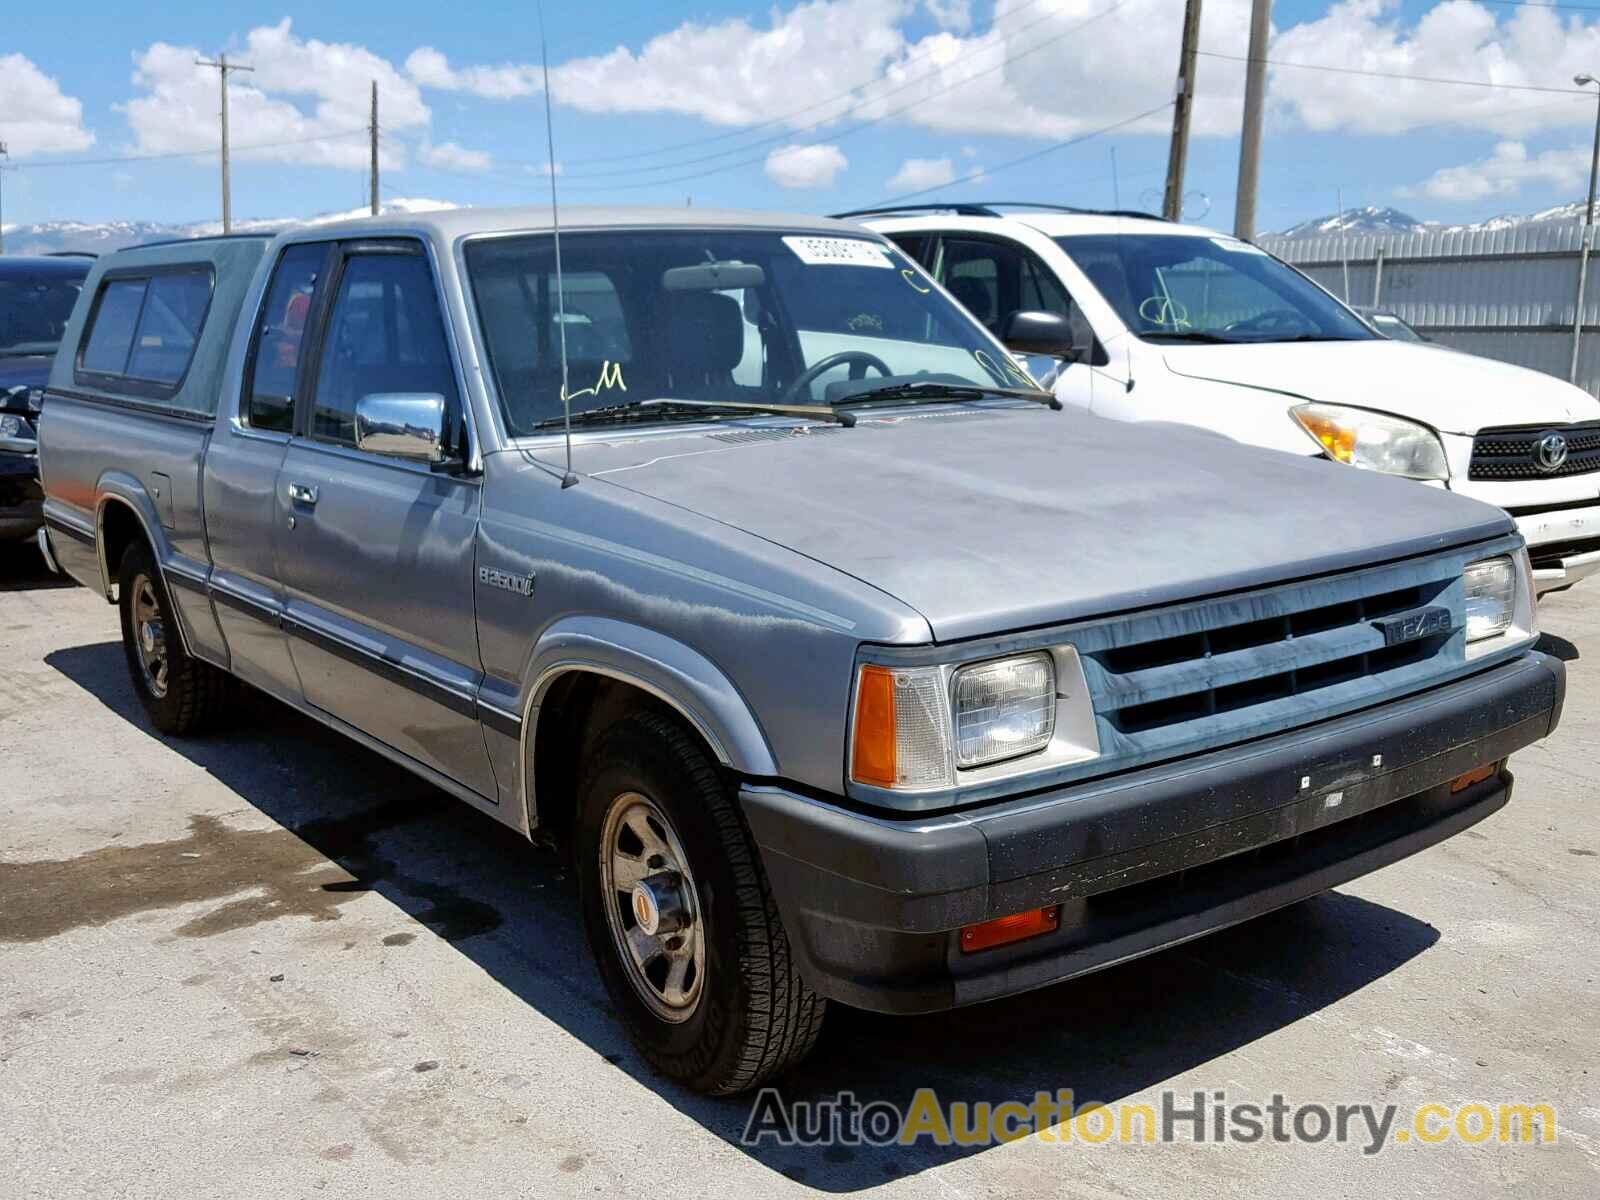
<point>453,156</point>
<point>951,14</point>
<point>1505,173</point>
<point>917,174</point>
<point>430,69</point>
<point>35,116</point>
<point>733,73</point>
<point>814,166</point>
<point>299,89</point>
<point>1458,39</point>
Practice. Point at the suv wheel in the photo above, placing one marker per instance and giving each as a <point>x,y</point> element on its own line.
<point>680,917</point>
<point>181,694</point>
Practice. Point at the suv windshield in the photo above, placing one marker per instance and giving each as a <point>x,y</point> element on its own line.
<point>34,309</point>
<point>1173,287</point>
<point>716,317</point>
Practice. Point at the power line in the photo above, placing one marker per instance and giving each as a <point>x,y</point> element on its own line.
<point>789,116</point>
<point>788,134</point>
<point>578,184</point>
<point>1029,157</point>
<point>1479,83</point>
<point>136,158</point>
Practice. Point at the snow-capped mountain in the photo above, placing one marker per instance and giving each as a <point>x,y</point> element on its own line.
<point>54,237</point>
<point>1371,219</point>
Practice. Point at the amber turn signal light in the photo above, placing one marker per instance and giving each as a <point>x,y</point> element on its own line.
<point>1005,930</point>
<point>1477,775</point>
<point>872,757</point>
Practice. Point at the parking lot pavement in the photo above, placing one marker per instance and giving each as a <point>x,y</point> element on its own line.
<point>269,963</point>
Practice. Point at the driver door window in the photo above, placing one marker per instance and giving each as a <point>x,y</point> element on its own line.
<point>384,334</point>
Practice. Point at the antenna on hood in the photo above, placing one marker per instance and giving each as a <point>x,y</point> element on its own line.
<point>568,478</point>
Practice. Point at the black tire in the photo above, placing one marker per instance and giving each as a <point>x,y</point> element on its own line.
<point>186,695</point>
<point>754,1015</point>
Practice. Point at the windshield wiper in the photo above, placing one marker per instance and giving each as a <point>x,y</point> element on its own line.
<point>646,408</point>
<point>1191,335</point>
<point>1311,337</point>
<point>937,392</point>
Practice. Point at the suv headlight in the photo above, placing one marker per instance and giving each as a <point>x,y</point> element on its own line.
<point>929,728</point>
<point>1499,603</point>
<point>13,426</point>
<point>1374,440</point>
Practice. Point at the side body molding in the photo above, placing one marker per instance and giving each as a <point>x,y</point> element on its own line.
<point>677,674</point>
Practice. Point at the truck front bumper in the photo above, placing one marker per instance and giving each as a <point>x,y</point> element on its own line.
<point>21,498</point>
<point>874,906</point>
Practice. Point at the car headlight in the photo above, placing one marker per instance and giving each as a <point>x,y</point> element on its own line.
<point>13,426</point>
<point>1373,440</point>
<point>1499,603</point>
<point>927,728</point>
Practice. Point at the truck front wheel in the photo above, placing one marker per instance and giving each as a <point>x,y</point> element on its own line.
<point>680,917</point>
<point>181,694</point>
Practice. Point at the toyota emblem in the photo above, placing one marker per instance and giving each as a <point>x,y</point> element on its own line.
<point>1551,452</point>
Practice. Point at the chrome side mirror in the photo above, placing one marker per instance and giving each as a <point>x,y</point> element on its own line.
<point>402,425</point>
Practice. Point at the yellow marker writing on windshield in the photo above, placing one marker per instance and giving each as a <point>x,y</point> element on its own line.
<point>910,277</point>
<point>610,377</point>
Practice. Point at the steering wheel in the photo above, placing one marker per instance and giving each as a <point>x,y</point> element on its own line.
<point>1271,321</point>
<point>859,361</point>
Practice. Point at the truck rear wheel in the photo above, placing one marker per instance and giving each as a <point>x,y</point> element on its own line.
<point>181,694</point>
<point>679,915</point>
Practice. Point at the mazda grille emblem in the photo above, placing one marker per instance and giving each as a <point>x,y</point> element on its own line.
<point>1551,452</point>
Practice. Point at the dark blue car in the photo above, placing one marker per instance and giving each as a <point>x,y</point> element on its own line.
<point>36,298</point>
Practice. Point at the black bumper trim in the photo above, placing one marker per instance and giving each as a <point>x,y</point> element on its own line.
<point>872,903</point>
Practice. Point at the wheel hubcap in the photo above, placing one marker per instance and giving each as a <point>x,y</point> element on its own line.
<point>150,636</point>
<point>651,907</point>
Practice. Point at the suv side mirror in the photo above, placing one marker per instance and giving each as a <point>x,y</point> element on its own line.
<point>1027,332</point>
<point>402,424</point>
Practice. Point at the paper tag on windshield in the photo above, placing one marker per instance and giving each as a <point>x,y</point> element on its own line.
<point>837,252</point>
<point>1236,246</point>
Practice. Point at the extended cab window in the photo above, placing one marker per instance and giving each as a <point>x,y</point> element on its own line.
<point>277,347</point>
<point>144,329</point>
<point>385,335</point>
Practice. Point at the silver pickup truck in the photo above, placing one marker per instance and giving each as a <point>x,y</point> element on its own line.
<point>851,667</point>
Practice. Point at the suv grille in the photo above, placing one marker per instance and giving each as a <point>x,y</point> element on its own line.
<point>1513,452</point>
<point>1181,680</point>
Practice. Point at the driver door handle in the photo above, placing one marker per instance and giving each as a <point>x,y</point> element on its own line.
<point>302,494</point>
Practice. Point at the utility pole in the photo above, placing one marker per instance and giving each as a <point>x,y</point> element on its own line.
<point>4,153</point>
<point>222,66</point>
<point>1588,235</point>
<point>372,130</point>
<point>1255,91</point>
<point>1183,105</point>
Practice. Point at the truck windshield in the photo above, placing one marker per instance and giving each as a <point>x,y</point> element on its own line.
<point>34,309</point>
<point>1208,290</point>
<point>715,316</point>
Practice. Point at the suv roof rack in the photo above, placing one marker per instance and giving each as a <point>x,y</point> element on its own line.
<point>990,208</point>
<point>71,254</point>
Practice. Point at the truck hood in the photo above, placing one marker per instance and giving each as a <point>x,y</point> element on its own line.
<point>25,370</point>
<point>985,520</point>
<point>1453,392</point>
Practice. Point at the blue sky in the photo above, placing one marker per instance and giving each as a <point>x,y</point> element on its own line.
<point>809,106</point>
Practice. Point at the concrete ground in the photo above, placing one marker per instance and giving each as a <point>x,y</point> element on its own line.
<point>270,964</point>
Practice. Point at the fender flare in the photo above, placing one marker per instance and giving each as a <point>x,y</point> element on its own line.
<point>117,487</point>
<point>675,673</point>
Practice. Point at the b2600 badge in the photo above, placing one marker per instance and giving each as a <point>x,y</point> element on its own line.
<point>522,585</point>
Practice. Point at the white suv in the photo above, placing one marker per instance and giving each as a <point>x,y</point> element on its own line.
<point>1178,323</point>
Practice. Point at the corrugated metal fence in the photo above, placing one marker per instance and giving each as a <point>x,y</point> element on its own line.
<point>1508,294</point>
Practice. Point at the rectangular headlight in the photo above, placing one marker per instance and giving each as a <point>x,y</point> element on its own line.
<point>1004,709</point>
<point>1491,597</point>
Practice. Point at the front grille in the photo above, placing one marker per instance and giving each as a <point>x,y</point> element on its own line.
<point>1177,681</point>
<point>1511,453</point>
<point>1551,554</point>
